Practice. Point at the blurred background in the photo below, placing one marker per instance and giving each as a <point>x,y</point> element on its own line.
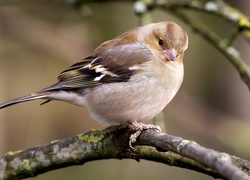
<point>39,39</point>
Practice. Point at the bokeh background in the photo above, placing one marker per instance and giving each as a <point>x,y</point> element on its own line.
<point>39,39</point>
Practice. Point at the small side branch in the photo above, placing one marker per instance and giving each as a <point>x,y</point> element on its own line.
<point>228,51</point>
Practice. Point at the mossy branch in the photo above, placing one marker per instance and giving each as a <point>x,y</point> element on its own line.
<point>97,145</point>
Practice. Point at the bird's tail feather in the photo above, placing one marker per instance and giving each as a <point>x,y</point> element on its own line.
<point>30,97</point>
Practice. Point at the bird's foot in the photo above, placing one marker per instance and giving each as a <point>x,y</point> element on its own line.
<point>138,127</point>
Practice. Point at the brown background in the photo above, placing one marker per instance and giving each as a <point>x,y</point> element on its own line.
<point>39,39</point>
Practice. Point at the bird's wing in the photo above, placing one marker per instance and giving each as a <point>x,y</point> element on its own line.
<point>113,64</point>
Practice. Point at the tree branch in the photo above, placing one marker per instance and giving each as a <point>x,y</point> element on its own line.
<point>97,145</point>
<point>214,7</point>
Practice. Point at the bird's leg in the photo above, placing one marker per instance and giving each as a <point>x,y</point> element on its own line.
<point>138,127</point>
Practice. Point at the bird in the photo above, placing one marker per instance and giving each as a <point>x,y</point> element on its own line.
<point>124,81</point>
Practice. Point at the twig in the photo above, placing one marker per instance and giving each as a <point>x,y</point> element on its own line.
<point>221,45</point>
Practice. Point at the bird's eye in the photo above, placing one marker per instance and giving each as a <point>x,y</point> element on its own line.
<point>161,42</point>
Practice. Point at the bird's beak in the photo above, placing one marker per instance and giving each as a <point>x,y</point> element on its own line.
<point>170,54</point>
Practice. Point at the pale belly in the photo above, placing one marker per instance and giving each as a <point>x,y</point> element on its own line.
<point>115,103</point>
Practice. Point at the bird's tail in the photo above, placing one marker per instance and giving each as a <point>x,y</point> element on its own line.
<point>30,97</point>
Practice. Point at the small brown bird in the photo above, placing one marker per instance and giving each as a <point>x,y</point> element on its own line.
<point>126,80</point>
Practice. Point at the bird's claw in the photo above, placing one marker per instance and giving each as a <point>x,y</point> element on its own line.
<point>139,127</point>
